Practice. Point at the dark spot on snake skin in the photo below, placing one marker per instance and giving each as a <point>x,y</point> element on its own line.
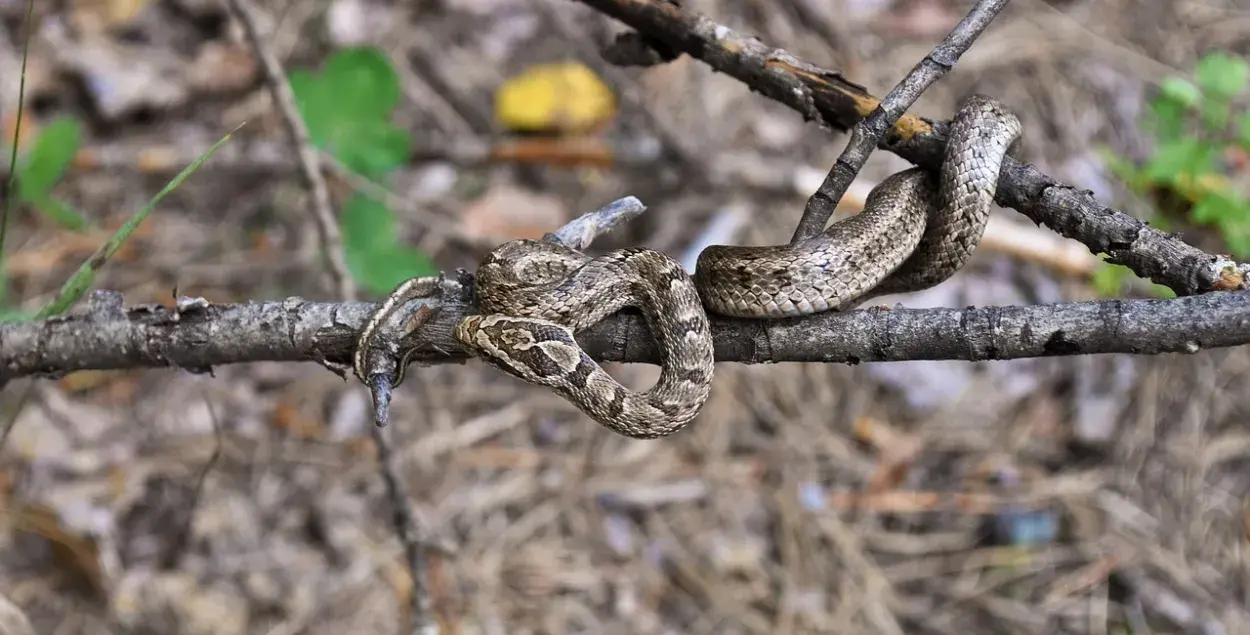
<point>694,325</point>
<point>669,409</point>
<point>541,364</point>
<point>581,375</point>
<point>617,405</point>
<point>694,375</point>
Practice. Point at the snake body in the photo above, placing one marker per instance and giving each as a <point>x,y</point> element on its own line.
<point>915,231</point>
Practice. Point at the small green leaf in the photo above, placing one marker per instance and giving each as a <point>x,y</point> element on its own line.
<point>346,107</point>
<point>371,149</point>
<point>59,212</point>
<point>1162,291</point>
<point>1243,131</point>
<point>46,162</point>
<point>1180,91</point>
<point>16,316</point>
<point>1214,209</point>
<point>370,242</point>
<point>1181,156</point>
<point>1127,171</point>
<point>364,86</point>
<point>1168,118</point>
<point>382,269</point>
<point>1222,75</point>
<point>315,106</point>
<point>1108,279</point>
<point>1215,114</point>
<point>367,225</point>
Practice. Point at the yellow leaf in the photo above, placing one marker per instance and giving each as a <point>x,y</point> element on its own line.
<point>563,96</point>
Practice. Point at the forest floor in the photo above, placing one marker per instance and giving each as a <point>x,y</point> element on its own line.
<point>1100,494</point>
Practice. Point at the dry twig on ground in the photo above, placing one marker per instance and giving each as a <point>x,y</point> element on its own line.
<point>322,213</point>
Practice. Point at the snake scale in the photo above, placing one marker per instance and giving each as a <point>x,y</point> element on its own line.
<point>915,231</point>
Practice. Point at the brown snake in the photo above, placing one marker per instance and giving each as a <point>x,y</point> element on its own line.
<point>914,232</point>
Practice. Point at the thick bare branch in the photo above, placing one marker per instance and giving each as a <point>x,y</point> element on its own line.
<point>829,98</point>
<point>200,335</point>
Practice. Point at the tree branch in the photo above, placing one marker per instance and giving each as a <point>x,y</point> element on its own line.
<point>830,99</point>
<point>198,335</point>
<point>868,132</point>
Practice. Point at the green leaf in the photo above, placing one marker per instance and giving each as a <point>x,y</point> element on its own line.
<point>1123,168</point>
<point>59,212</point>
<point>16,316</point>
<point>1215,114</point>
<point>346,108</point>
<point>371,149</point>
<point>382,269</point>
<point>1162,291</point>
<point>1108,279</point>
<point>365,87</point>
<point>1168,118</point>
<point>1243,131</point>
<point>46,162</point>
<point>84,276</point>
<point>1222,75</point>
<point>1238,240</point>
<point>315,104</point>
<point>1216,208</point>
<point>1180,91</point>
<point>367,225</point>
<point>1181,156</point>
<point>372,250</point>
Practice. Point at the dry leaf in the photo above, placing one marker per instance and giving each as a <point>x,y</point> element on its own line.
<point>565,97</point>
<point>94,16</point>
<point>506,212</point>
<point>75,552</point>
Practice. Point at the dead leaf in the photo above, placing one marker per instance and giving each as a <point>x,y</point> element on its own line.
<point>297,419</point>
<point>564,97</point>
<point>222,68</point>
<point>506,212</point>
<point>919,18</point>
<point>95,16</point>
<point>74,552</point>
<point>897,451</point>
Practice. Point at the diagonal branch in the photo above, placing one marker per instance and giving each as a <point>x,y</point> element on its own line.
<point>197,335</point>
<point>867,133</point>
<point>829,98</point>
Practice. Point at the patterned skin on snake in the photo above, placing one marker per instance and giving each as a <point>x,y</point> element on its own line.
<point>533,296</point>
<point>915,231</point>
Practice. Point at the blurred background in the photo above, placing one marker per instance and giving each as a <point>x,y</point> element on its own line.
<point>1101,494</point>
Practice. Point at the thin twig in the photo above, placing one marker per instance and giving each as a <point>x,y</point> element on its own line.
<point>827,97</point>
<point>176,547</point>
<point>405,522</point>
<point>331,243</point>
<point>869,131</point>
<point>309,162</point>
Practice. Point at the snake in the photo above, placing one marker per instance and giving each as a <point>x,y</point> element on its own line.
<point>916,230</point>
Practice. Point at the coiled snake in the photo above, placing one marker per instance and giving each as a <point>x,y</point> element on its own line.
<point>914,232</point>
